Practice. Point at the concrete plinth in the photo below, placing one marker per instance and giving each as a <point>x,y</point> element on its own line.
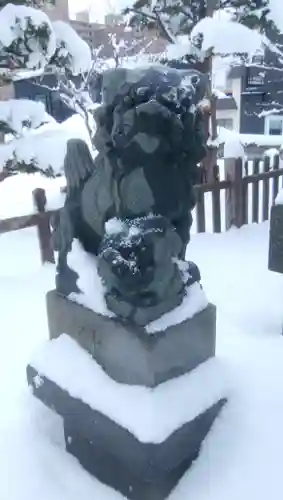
<point>140,471</point>
<point>128,353</point>
<point>107,469</point>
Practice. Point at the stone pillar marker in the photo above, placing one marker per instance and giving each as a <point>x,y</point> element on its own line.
<point>130,364</point>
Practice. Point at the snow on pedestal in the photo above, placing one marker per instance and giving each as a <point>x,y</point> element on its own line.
<point>92,292</point>
<point>141,410</point>
<point>136,402</point>
<point>151,359</point>
<point>128,436</point>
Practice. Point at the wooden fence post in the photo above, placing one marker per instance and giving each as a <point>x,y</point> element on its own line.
<point>216,204</point>
<point>236,194</point>
<point>265,190</point>
<point>43,226</point>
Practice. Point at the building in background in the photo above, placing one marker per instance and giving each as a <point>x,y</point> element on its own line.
<point>255,93</point>
<point>83,16</point>
<point>132,42</point>
<point>57,10</point>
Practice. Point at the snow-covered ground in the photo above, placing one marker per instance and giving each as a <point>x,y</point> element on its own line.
<point>241,458</point>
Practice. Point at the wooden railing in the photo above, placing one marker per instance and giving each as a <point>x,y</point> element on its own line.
<point>40,219</point>
<point>240,201</point>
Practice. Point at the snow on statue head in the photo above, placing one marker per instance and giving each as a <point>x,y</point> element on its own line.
<point>131,206</point>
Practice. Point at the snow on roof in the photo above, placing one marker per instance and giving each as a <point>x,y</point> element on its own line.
<point>219,94</point>
<point>25,74</point>
<point>261,140</point>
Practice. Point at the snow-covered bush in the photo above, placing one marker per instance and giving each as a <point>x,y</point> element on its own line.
<point>29,42</point>
<point>198,30</point>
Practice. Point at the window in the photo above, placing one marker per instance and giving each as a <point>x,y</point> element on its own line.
<point>274,125</point>
<point>225,122</point>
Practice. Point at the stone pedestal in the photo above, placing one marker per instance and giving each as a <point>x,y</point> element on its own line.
<point>128,353</point>
<point>140,469</point>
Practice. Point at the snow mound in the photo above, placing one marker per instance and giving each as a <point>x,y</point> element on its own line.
<point>143,411</point>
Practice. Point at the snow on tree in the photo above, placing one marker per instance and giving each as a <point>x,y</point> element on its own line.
<point>27,39</point>
<point>197,30</point>
<point>29,42</point>
<point>72,52</point>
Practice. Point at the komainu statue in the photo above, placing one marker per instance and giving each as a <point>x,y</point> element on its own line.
<point>130,206</point>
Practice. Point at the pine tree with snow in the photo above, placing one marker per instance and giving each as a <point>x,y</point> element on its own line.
<point>29,42</point>
<point>197,30</point>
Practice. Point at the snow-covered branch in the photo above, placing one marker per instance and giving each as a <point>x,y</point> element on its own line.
<point>27,39</point>
<point>72,52</point>
<point>29,42</point>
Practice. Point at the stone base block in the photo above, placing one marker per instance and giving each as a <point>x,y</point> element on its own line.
<point>128,353</point>
<point>275,260</point>
<point>141,471</point>
<point>109,470</point>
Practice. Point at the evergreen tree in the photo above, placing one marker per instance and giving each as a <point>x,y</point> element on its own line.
<point>175,18</point>
<point>29,42</point>
<point>178,17</point>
